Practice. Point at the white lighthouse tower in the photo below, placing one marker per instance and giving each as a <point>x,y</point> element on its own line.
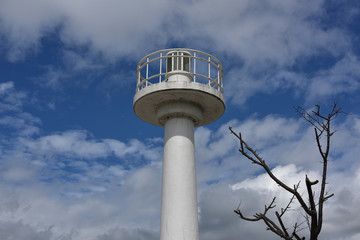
<point>179,89</point>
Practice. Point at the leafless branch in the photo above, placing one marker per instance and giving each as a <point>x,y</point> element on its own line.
<point>255,158</point>
<point>283,210</point>
<point>313,213</point>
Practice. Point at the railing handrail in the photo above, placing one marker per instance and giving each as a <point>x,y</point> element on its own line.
<point>213,63</point>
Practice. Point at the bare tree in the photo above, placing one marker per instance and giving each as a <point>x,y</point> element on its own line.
<point>313,208</point>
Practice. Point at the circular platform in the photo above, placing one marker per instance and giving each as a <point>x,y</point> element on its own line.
<point>150,99</point>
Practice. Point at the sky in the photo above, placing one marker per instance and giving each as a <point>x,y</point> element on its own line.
<point>77,164</point>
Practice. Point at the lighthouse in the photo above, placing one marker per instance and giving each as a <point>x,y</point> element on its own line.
<point>179,89</point>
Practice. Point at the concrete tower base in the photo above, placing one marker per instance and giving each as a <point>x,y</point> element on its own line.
<point>179,219</point>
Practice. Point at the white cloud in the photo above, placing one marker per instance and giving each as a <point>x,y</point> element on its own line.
<point>96,201</point>
<point>275,32</point>
<point>129,234</point>
<point>109,27</point>
<point>66,176</point>
<point>87,201</point>
<point>72,143</point>
<point>52,78</point>
<point>261,40</point>
<point>80,144</point>
<point>24,23</point>
<point>258,132</point>
<point>290,148</point>
<point>289,174</point>
<point>4,87</point>
<point>19,230</point>
<point>218,220</point>
<point>341,206</point>
<point>342,78</point>
<point>12,117</point>
<point>11,100</point>
<point>77,63</point>
<point>71,185</point>
<point>257,31</point>
<point>25,124</point>
<point>40,206</point>
<point>346,145</point>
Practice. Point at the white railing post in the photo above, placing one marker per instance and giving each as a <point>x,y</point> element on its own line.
<point>177,60</point>
<point>194,66</point>
<point>160,67</point>
<point>172,61</point>
<point>218,77</point>
<point>147,71</point>
<point>182,61</point>
<point>209,59</point>
<point>138,80</point>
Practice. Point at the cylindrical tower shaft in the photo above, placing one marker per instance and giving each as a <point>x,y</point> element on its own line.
<point>179,219</point>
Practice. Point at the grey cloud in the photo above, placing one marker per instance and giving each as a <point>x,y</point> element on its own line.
<point>217,202</point>
<point>11,100</point>
<point>345,75</point>
<point>108,202</point>
<point>80,144</point>
<point>260,131</point>
<point>18,230</point>
<point>341,208</point>
<point>41,199</point>
<point>261,40</point>
<point>265,33</point>
<point>129,234</point>
<point>340,79</point>
<point>217,219</point>
<point>41,206</point>
<point>72,143</point>
<point>24,23</point>
<point>296,146</point>
<point>257,31</point>
<point>128,23</point>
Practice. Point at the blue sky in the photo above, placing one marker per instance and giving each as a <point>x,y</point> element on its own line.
<point>75,161</point>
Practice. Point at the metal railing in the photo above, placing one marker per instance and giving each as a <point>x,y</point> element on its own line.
<point>203,68</point>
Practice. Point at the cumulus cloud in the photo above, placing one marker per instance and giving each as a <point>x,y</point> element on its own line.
<point>261,41</point>
<point>79,210</point>
<point>277,137</point>
<point>19,230</point>
<point>11,100</point>
<point>336,208</point>
<point>80,197</point>
<point>345,75</point>
<point>129,234</point>
<point>128,23</point>
<point>226,179</point>
<point>71,185</point>
<point>260,31</point>
<point>217,219</point>
<point>289,174</point>
<point>23,25</point>
<point>257,31</point>
<point>339,79</point>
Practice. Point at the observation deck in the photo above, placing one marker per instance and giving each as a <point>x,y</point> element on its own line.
<point>179,82</point>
